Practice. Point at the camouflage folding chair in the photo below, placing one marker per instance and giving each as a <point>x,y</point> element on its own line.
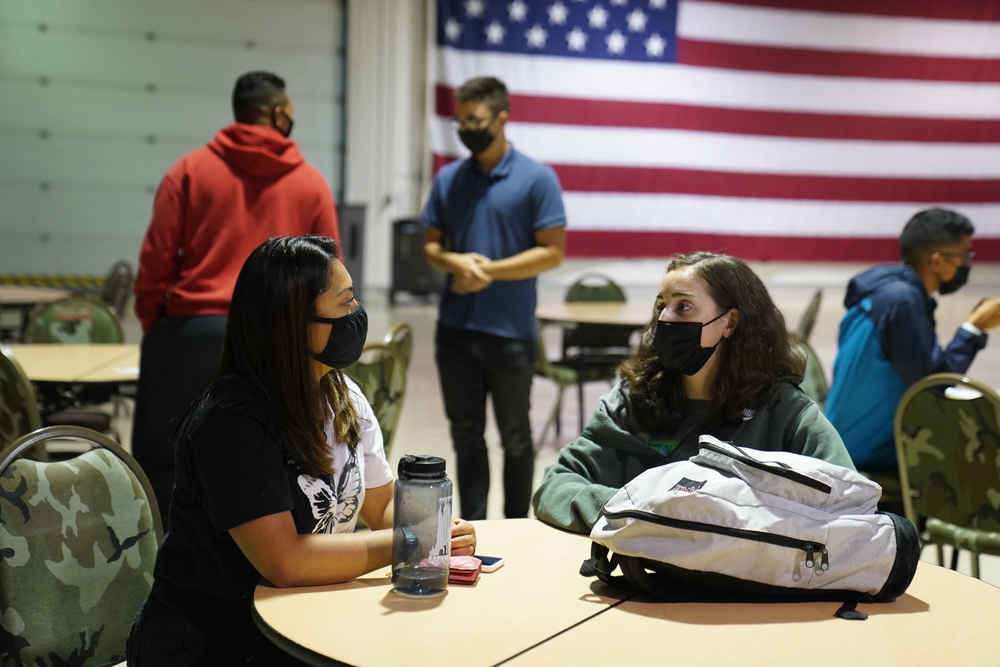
<point>400,339</point>
<point>808,320</point>
<point>18,407</point>
<point>382,377</point>
<point>78,539</point>
<point>565,375</point>
<point>595,350</point>
<point>814,382</point>
<point>948,445</point>
<point>78,318</point>
<point>118,286</point>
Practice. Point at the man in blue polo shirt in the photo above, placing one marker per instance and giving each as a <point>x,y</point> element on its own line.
<point>493,221</point>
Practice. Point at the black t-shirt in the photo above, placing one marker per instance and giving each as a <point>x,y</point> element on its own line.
<point>232,468</point>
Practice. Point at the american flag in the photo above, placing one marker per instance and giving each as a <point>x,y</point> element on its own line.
<point>769,129</point>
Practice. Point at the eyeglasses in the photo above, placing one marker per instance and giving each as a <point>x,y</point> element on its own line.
<point>966,256</point>
<point>470,123</point>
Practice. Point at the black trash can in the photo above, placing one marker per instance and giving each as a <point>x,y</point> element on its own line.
<point>410,271</point>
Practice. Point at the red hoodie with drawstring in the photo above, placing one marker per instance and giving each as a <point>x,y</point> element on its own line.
<point>213,207</point>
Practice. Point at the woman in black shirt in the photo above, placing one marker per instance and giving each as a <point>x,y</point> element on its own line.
<point>275,463</point>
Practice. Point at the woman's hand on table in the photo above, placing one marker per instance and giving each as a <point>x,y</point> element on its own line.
<point>463,538</point>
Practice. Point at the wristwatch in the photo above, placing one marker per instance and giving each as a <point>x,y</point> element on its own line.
<point>407,544</point>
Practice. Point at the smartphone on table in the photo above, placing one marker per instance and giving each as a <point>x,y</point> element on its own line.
<point>490,563</point>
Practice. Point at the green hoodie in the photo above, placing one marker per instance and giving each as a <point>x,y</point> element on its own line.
<point>614,448</point>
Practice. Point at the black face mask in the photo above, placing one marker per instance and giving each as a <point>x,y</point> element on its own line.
<point>287,132</point>
<point>678,346</point>
<point>476,140</point>
<point>961,277</point>
<point>347,339</point>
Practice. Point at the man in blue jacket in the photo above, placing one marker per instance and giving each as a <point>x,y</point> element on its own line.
<point>888,339</point>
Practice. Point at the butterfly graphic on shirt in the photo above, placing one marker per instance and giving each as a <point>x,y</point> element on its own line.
<point>331,508</point>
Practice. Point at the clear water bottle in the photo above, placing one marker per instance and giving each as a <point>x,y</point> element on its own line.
<point>421,529</point>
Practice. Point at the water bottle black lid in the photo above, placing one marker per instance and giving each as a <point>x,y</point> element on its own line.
<point>421,467</point>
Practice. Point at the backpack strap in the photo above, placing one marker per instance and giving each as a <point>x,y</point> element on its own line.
<point>602,564</point>
<point>849,612</point>
<point>636,574</point>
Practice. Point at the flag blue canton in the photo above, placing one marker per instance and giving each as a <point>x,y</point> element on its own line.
<point>633,30</point>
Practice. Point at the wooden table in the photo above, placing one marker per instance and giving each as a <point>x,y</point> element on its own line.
<point>944,618</point>
<point>78,363</point>
<point>536,594</point>
<point>24,299</point>
<point>537,610</point>
<point>595,312</point>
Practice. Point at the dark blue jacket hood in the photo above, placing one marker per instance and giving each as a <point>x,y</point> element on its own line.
<point>866,283</point>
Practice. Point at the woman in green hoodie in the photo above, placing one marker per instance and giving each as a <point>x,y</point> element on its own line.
<point>715,359</point>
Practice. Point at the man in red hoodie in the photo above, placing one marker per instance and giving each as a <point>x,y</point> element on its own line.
<point>213,207</point>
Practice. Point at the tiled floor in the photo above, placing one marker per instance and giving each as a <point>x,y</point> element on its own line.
<point>423,429</point>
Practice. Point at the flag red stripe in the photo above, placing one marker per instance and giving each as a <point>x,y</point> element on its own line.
<point>648,180</point>
<point>777,248</point>
<point>774,186</point>
<point>605,113</point>
<point>818,62</point>
<point>959,10</point>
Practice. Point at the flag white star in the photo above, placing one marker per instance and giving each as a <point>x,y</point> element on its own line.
<point>452,30</point>
<point>658,4</point>
<point>655,46</point>
<point>536,36</point>
<point>616,42</point>
<point>598,17</point>
<point>558,14</point>
<point>620,3</point>
<point>576,40</point>
<point>636,20</point>
<point>517,11</point>
<point>495,33</point>
<point>474,8</point>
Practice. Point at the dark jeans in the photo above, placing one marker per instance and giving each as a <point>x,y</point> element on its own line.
<point>162,637</point>
<point>180,357</point>
<point>471,365</point>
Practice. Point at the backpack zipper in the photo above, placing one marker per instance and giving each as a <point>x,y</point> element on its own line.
<point>787,473</point>
<point>811,549</point>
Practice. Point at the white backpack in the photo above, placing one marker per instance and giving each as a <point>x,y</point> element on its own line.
<point>733,523</point>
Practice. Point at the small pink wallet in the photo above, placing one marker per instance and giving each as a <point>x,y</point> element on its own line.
<point>464,570</point>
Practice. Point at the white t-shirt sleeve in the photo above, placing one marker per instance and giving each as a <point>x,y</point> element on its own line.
<point>377,471</point>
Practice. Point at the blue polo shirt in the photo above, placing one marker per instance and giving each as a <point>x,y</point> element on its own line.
<point>496,215</point>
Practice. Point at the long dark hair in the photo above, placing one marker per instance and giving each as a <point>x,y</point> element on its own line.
<point>267,344</point>
<point>751,361</point>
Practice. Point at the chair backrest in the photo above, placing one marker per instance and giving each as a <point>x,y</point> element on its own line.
<point>18,406</point>
<point>543,366</point>
<point>78,544</point>
<point>948,446</point>
<point>382,378</point>
<point>808,320</point>
<point>74,319</point>
<point>400,339</point>
<point>814,382</point>
<point>118,286</point>
<point>596,287</point>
